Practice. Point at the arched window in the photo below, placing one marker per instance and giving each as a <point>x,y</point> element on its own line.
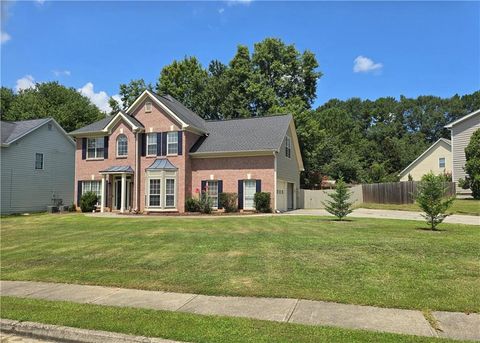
<point>122,146</point>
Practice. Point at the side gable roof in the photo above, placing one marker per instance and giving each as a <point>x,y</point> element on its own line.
<point>13,131</point>
<point>181,114</point>
<point>419,158</point>
<point>458,121</point>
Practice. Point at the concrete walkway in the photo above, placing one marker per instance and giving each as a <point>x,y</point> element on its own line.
<point>359,213</point>
<point>453,325</point>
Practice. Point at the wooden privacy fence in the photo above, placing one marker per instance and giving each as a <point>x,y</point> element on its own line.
<point>396,192</point>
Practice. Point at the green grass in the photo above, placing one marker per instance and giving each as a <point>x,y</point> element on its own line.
<point>184,326</point>
<point>389,263</point>
<point>460,206</point>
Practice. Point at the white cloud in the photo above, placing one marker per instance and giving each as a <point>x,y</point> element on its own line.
<point>239,2</point>
<point>61,72</point>
<point>100,99</point>
<point>221,10</point>
<point>363,64</point>
<point>40,2</point>
<point>4,37</point>
<point>25,82</point>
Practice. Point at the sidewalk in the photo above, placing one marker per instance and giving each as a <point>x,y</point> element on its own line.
<point>453,324</point>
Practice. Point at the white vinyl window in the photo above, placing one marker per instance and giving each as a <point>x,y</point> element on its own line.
<point>95,147</point>
<point>250,188</point>
<point>122,146</point>
<point>93,186</point>
<point>38,161</point>
<point>154,193</point>
<point>288,147</point>
<point>152,144</point>
<point>212,192</point>
<point>170,193</point>
<point>172,143</point>
<point>441,162</point>
<point>148,107</point>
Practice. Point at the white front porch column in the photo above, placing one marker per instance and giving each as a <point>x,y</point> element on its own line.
<point>103,202</point>
<point>124,193</point>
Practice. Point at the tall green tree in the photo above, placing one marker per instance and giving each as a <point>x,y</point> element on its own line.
<point>6,99</point>
<point>68,107</point>
<point>128,92</point>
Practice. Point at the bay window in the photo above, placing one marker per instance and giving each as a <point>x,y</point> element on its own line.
<point>154,193</point>
<point>161,190</point>
<point>169,192</point>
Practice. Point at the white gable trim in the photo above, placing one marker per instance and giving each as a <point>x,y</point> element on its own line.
<point>50,120</point>
<point>120,116</point>
<point>468,116</point>
<point>146,94</point>
<point>296,144</point>
<point>419,158</point>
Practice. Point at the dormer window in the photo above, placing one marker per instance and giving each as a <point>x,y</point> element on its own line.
<point>148,107</point>
<point>288,147</point>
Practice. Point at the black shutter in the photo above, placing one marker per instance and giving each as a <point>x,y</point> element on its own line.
<point>203,186</point>
<point>180,145</point>
<point>84,148</point>
<point>79,192</point>
<point>159,143</point>
<point>258,186</point>
<point>143,144</point>
<point>164,143</point>
<point>240,194</point>
<point>220,190</point>
<point>105,147</point>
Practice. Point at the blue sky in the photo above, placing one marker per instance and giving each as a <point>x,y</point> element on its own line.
<point>365,49</point>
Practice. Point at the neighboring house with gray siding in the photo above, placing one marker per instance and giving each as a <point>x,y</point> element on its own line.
<point>461,130</point>
<point>37,165</point>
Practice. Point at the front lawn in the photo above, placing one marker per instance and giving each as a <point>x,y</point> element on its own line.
<point>185,326</point>
<point>388,263</point>
<point>460,206</point>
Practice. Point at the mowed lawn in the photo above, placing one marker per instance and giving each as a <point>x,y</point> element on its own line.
<point>459,206</point>
<point>386,263</point>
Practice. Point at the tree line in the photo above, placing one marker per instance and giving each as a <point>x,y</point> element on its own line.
<point>358,140</point>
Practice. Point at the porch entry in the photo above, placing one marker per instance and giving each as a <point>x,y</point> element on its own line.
<point>117,193</point>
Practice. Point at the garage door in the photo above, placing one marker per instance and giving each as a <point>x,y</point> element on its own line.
<point>281,195</point>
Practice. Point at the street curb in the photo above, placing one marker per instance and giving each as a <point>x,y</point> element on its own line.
<point>72,335</point>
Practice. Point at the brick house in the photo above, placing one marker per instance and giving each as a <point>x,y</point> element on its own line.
<point>158,153</point>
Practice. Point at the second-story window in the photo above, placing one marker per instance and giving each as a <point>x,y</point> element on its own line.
<point>288,147</point>
<point>95,148</point>
<point>122,146</point>
<point>172,143</point>
<point>152,144</point>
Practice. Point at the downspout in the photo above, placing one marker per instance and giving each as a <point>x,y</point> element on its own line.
<point>275,182</point>
<point>137,174</point>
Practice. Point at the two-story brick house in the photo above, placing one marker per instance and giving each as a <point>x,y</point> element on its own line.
<point>158,153</point>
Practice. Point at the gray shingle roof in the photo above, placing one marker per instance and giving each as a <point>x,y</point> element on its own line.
<point>238,135</point>
<point>94,127</point>
<point>118,169</point>
<point>162,164</point>
<point>13,130</point>
<point>184,113</point>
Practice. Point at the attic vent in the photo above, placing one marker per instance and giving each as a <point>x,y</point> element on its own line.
<point>49,127</point>
<point>148,107</point>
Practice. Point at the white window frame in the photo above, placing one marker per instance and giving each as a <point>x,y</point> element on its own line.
<point>174,143</point>
<point>148,143</point>
<point>37,154</point>
<point>121,136</point>
<point>155,194</point>
<point>288,147</point>
<point>148,107</point>
<point>99,144</point>
<point>213,184</point>
<point>174,194</point>
<point>440,159</point>
<point>245,194</point>
<point>87,187</point>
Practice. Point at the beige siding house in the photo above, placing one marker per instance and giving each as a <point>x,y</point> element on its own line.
<point>461,130</point>
<point>437,159</point>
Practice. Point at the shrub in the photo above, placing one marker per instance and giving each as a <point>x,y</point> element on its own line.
<point>88,201</point>
<point>228,201</point>
<point>205,203</point>
<point>262,202</point>
<point>431,199</point>
<point>472,165</point>
<point>339,205</point>
<point>192,205</point>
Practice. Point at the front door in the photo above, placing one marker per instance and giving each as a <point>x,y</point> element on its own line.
<point>118,193</point>
<point>249,194</point>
